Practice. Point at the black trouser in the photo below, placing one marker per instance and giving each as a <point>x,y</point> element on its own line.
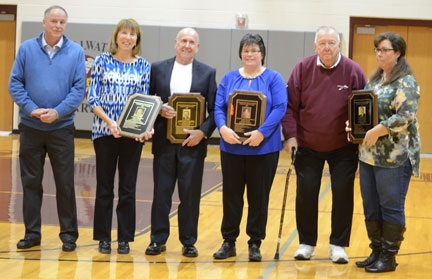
<point>124,153</point>
<point>175,163</point>
<point>309,166</point>
<point>256,172</point>
<point>59,145</point>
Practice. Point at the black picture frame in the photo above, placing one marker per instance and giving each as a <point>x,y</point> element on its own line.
<point>246,111</point>
<point>362,113</point>
<point>138,115</point>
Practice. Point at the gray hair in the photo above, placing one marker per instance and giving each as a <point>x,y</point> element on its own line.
<point>54,7</point>
<point>327,29</point>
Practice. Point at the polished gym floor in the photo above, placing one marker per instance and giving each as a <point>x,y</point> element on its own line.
<point>49,261</point>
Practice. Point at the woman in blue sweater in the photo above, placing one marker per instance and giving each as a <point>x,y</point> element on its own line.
<point>251,163</point>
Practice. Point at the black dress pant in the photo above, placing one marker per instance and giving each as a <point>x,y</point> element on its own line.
<point>256,173</point>
<point>60,147</point>
<point>309,167</point>
<point>112,153</point>
<point>176,163</point>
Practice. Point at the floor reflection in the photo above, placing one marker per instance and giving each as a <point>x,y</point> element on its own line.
<point>85,189</point>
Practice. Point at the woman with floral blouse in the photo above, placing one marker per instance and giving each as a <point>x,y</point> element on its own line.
<point>390,152</point>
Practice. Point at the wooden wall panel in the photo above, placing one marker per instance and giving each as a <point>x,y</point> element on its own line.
<point>7,56</point>
<point>419,56</point>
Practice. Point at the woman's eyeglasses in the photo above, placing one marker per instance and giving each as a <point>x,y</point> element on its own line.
<point>382,50</point>
<point>250,51</point>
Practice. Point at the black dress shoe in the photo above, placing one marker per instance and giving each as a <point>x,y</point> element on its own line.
<point>123,247</point>
<point>254,253</point>
<point>227,250</point>
<point>189,251</point>
<point>155,248</point>
<point>105,247</point>
<point>69,246</point>
<point>27,243</point>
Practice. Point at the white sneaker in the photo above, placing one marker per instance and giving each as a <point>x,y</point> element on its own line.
<point>337,254</point>
<point>304,252</point>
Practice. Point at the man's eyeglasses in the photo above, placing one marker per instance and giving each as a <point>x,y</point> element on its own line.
<point>382,50</point>
<point>323,45</point>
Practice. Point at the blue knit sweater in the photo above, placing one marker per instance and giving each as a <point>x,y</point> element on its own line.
<point>271,84</point>
<point>37,81</point>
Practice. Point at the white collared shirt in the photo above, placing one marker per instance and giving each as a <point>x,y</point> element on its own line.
<point>319,63</point>
<point>52,50</point>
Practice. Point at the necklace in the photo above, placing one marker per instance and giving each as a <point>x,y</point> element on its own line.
<point>253,75</point>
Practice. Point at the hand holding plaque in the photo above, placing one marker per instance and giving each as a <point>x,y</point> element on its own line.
<point>246,111</point>
<point>138,115</point>
<point>190,115</point>
<point>362,113</point>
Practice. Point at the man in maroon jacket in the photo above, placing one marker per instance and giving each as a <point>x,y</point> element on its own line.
<point>314,125</point>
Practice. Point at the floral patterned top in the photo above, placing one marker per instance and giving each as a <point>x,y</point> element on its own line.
<point>111,84</point>
<point>397,108</point>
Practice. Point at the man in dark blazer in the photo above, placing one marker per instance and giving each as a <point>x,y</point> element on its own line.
<point>180,162</point>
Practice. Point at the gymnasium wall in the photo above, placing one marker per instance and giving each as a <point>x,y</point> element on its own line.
<point>219,48</point>
<point>285,23</point>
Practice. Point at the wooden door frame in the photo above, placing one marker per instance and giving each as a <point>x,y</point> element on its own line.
<point>371,21</point>
<point>8,9</point>
<point>7,106</point>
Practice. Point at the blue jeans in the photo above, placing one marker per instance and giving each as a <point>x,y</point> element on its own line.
<point>384,192</point>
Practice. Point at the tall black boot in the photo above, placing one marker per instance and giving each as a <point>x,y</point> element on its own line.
<point>391,241</point>
<point>374,231</point>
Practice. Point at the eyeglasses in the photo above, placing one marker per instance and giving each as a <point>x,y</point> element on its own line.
<point>250,51</point>
<point>382,50</point>
<point>323,45</point>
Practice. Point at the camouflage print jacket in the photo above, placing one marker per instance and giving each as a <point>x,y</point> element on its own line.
<point>397,103</point>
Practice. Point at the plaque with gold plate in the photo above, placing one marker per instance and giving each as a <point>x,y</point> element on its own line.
<point>190,108</point>
<point>246,111</point>
<point>362,113</point>
<point>138,115</point>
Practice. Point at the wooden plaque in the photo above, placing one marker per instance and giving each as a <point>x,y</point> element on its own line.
<point>138,115</point>
<point>190,108</point>
<point>246,111</point>
<point>362,113</point>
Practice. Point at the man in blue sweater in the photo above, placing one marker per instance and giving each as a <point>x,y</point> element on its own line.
<point>47,82</point>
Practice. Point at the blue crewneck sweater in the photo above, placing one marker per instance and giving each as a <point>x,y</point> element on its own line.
<point>38,81</point>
